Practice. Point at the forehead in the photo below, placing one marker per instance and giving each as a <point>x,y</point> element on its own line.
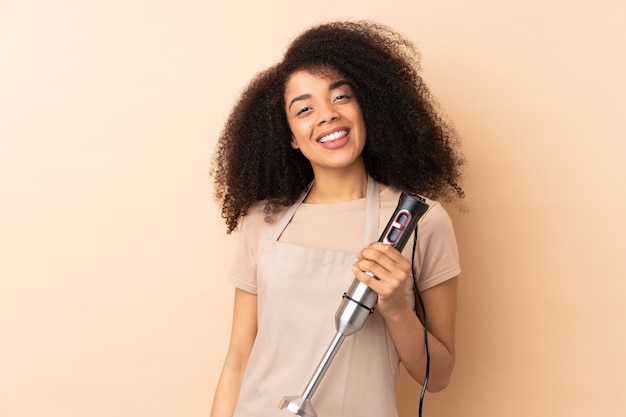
<point>301,78</point>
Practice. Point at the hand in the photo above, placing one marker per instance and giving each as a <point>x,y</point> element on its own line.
<point>390,272</point>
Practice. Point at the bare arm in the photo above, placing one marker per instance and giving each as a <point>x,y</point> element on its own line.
<point>405,328</point>
<point>241,340</point>
<point>408,335</point>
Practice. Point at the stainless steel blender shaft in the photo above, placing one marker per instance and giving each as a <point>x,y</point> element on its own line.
<point>323,366</point>
<point>301,406</point>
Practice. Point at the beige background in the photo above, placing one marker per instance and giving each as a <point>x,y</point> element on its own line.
<point>113,256</point>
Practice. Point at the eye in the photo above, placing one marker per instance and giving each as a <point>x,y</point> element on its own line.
<point>342,97</point>
<point>302,110</point>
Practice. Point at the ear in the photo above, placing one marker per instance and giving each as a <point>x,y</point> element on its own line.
<point>294,143</point>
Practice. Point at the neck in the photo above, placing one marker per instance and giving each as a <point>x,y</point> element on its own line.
<point>338,187</point>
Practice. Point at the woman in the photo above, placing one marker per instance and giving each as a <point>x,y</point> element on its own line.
<point>310,165</point>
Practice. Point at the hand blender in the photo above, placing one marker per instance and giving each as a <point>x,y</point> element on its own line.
<point>358,303</point>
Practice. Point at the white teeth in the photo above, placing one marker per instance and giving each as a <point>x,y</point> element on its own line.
<point>333,136</point>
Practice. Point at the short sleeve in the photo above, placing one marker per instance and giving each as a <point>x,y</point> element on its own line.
<point>437,249</point>
<point>243,269</point>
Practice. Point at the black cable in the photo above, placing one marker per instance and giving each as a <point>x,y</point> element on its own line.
<point>423,308</point>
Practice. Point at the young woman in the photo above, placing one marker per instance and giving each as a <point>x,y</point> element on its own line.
<point>309,168</point>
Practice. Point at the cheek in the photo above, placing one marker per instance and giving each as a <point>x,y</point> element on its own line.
<point>300,129</point>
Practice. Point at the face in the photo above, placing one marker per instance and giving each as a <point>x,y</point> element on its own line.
<point>325,120</point>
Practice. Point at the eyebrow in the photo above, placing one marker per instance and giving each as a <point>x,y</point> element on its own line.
<point>331,87</point>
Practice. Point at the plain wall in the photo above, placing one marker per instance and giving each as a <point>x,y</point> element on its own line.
<point>113,255</point>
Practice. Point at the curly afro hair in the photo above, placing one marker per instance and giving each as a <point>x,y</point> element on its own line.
<point>409,146</point>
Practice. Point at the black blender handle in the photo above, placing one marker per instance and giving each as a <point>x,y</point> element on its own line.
<point>403,220</point>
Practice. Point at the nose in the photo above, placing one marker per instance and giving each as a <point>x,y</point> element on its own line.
<point>328,113</point>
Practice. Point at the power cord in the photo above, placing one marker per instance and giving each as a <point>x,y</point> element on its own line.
<point>421,303</point>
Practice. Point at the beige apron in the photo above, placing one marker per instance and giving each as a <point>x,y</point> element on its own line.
<point>299,291</point>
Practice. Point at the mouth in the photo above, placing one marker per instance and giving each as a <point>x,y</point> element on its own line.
<point>333,136</point>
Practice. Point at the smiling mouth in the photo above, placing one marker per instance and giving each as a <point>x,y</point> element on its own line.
<point>333,136</point>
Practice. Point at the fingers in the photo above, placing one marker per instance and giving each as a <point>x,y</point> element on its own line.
<point>377,249</point>
<point>382,268</point>
<point>382,262</point>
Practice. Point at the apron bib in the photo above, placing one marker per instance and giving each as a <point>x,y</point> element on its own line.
<point>299,291</point>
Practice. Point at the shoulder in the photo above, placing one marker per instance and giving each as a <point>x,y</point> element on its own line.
<point>256,215</point>
<point>436,215</point>
<point>257,222</point>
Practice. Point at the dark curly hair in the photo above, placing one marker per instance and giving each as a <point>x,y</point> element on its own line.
<point>409,145</point>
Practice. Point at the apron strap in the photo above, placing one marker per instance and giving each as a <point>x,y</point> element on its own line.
<point>284,220</point>
<point>372,210</point>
